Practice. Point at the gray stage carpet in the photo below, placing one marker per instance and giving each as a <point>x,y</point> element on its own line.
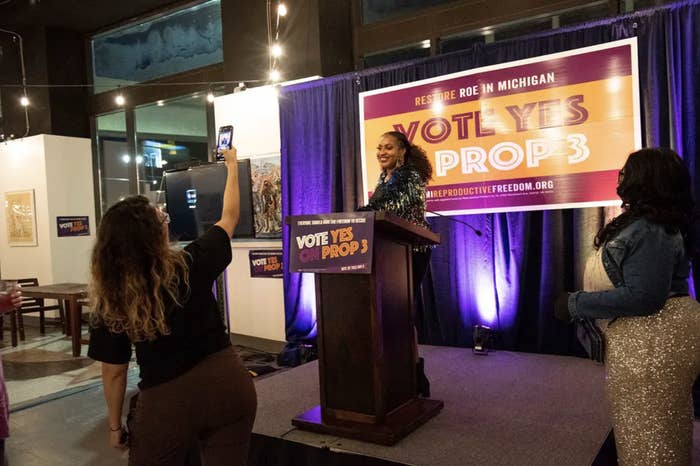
<point>502,409</point>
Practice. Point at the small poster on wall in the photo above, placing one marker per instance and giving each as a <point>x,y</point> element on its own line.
<point>20,216</point>
<point>265,263</point>
<point>73,226</point>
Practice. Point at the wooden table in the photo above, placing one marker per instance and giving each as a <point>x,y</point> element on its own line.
<point>69,293</point>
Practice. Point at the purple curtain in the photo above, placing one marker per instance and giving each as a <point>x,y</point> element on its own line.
<point>508,277</point>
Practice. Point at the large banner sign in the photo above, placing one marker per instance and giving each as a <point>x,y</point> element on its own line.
<point>549,132</point>
<point>331,243</point>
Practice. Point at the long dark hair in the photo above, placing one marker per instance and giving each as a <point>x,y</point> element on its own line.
<point>415,156</point>
<point>135,273</point>
<point>654,184</point>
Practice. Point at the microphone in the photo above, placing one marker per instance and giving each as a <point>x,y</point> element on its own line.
<point>476,232</point>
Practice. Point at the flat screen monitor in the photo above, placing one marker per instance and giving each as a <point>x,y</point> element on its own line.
<point>194,200</point>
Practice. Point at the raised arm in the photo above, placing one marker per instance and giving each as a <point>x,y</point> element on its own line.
<point>232,202</point>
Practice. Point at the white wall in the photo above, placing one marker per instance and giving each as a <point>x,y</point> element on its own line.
<point>255,305</point>
<point>70,190</point>
<point>59,169</point>
<point>255,117</point>
<point>23,167</point>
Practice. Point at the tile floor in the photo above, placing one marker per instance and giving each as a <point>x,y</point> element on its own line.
<point>58,413</point>
<point>43,365</point>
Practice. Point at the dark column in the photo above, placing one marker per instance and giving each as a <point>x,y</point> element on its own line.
<point>244,38</point>
<point>316,36</point>
<point>301,38</point>
<point>335,20</point>
<point>65,60</point>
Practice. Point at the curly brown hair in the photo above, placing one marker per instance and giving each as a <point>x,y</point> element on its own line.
<point>654,184</point>
<point>415,156</point>
<point>136,276</point>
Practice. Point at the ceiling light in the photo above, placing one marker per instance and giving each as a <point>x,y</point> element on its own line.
<point>276,50</point>
<point>282,9</point>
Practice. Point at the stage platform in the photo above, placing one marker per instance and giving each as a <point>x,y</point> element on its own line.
<point>505,408</point>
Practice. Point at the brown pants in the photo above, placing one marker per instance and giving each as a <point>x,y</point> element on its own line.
<point>213,404</point>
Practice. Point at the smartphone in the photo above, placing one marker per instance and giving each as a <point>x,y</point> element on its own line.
<point>223,141</point>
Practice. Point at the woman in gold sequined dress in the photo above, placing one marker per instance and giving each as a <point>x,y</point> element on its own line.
<point>638,280</point>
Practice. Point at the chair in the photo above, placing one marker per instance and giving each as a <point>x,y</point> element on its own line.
<point>84,304</point>
<point>29,305</point>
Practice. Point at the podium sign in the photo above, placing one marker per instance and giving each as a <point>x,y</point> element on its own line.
<point>364,305</point>
<point>331,243</point>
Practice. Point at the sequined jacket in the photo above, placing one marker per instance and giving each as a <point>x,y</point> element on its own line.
<point>645,264</point>
<point>402,195</point>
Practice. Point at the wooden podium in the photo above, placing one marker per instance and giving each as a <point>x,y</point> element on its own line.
<point>366,338</point>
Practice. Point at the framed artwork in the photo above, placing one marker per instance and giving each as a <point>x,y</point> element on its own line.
<point>20,215</point>
<point>267,192</point>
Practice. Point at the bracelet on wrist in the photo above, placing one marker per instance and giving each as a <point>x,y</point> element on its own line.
<point>115,429</point>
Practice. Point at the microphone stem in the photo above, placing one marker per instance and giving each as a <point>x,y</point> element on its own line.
<point>477,232</point>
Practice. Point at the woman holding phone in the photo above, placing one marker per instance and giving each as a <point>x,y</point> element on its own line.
<point>194,387</point>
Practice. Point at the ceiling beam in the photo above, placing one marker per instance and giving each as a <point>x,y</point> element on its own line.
<point>450,19</point>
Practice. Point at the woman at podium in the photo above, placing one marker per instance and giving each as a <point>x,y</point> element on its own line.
<point>405,171</point>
